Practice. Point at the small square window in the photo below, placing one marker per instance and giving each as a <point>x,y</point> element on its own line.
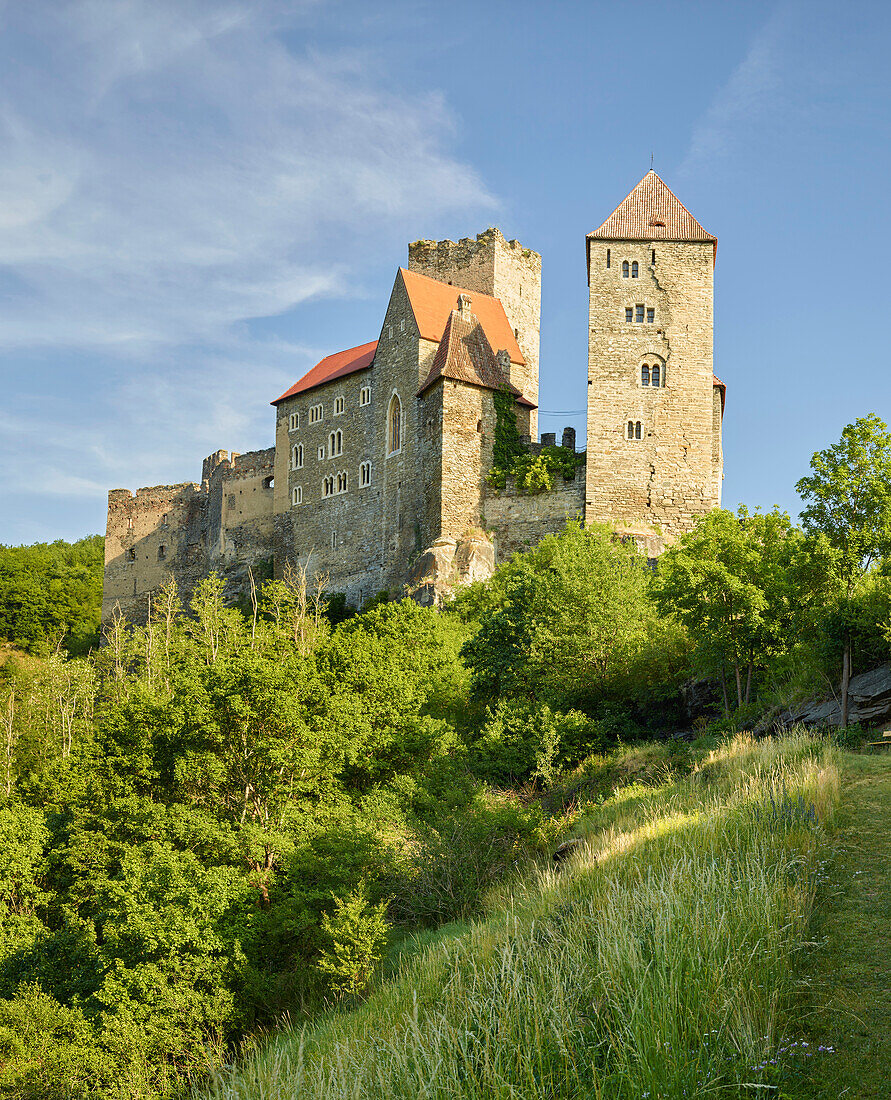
<point>629,313</point>
<point>638,314</point>
<point>651,316</point>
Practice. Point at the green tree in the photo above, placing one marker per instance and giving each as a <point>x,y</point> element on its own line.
<point>740,584</point>
<point>848,501</point>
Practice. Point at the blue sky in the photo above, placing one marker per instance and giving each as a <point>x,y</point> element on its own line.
<point>200,198</point>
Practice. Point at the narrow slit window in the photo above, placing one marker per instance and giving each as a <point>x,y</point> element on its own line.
<point>653,255</point>
<point>333,540</point>
<point>645,375</point>
<point>634,270</point>
<point>394,442</point>
<point>631,429</point>
<point>637,429</point>
<point>607,257</point>
<point>656,374</point>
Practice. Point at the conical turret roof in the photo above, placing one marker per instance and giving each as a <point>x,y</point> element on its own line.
<point>652,212</point>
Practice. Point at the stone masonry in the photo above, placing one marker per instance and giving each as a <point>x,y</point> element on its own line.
<point>378,478</point>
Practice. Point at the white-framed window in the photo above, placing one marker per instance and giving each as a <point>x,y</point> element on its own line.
<point>338,406</point>
<point>321,452</point>
<point>335,444</point>
<point>394,426</point>
<point>293,422</point>
<point>296,495</point>
<point>328,486</point>
<point>365,395</point>
<point>364,474</point>
<point>634,430</point>
<point>342,482</point>
<point>297,456</point>
<point>402,325</point>
<point>389,332</point>
<point>316,413</point>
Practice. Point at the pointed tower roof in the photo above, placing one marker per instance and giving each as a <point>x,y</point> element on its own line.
<point>652,212</point>
<point>465,354</point>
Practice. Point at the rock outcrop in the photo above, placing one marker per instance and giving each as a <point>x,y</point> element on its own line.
<point>869,703</point>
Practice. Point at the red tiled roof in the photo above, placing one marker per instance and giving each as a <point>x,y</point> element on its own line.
<point>652,212</point>
<point>338,365</point>
<point>432,302</point>
<point>465,355</point>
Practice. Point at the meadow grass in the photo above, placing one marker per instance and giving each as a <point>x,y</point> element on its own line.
<point>659,963</point>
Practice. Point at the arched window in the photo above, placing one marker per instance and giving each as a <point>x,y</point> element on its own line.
<point>645,374</point>
<point>340,443</point>
<point>634,270</point>
<point>656,375</point>
<point>631,429</point>
<point>624,269</point>
<point>637,430</point>
<point>394,426</point>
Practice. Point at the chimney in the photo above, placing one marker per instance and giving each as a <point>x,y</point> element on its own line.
<point>569,438</point>
<point>464,302</point>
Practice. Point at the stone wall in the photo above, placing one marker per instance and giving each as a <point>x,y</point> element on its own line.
<point>517,521</point>
<point>503,269</point>
<point>671,475</point>
<point>186,531</point>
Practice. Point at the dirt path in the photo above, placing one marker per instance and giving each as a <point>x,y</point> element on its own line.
<point>850,993</point>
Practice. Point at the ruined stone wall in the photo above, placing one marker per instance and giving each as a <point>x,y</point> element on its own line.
<point>186,531</point>
<point>518,521</point>
<point>666,479</point>
<point>500,268</point>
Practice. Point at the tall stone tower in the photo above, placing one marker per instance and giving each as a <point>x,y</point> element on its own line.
<point>654,404</point>
<point>503,269</point>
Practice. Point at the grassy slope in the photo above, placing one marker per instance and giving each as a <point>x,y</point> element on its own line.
<point>662,965</point>
<point>850,993</point>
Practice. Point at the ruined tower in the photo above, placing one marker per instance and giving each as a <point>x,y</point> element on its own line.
<point>502,269</point>
<point>654,405</point>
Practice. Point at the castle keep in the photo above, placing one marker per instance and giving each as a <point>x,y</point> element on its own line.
<point>377,480</point>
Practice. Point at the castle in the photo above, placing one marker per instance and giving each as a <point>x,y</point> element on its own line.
<point>378,476</point>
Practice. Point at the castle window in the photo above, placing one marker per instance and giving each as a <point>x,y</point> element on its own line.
<point>321,452</point>
<point>651,316</point>
<point>365,395</point>
<point>328,487</point>
<point>389,332</point>
<point>338,406</point>
<point>634,270</point>
<point>162,552</point>
<point>394,426</point>
<point>654,257</point>
<point>607,258</point>
<point>629,313</point>
<point>316,413</point>
<point>297,495</point>
<point>625,269</point>
<point>645,374</point>
<point>293,422</point>
<point>335,444</point>
<point>364,473</point>
<point>638,313</point>
<point>637,429</point>
<point>631,429</point>
<point>634,429</point>
<point>131,555</point>
<point>656,372</point>
<point>402,325</point>
<point>333,540</point>
<point>297,457</point>
<point>342,483</point>
<point>268,483</point>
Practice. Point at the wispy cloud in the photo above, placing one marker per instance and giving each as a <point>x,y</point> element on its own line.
<point>747,99</point>
<point>170,169</point>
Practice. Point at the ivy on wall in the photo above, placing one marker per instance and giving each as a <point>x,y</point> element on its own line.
<point>531,473</point>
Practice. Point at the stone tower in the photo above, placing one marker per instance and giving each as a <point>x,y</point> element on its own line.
<point>654,405</point>
<point>501,269</point>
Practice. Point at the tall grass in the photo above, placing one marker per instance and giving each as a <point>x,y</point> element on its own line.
<point>660,964</point>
